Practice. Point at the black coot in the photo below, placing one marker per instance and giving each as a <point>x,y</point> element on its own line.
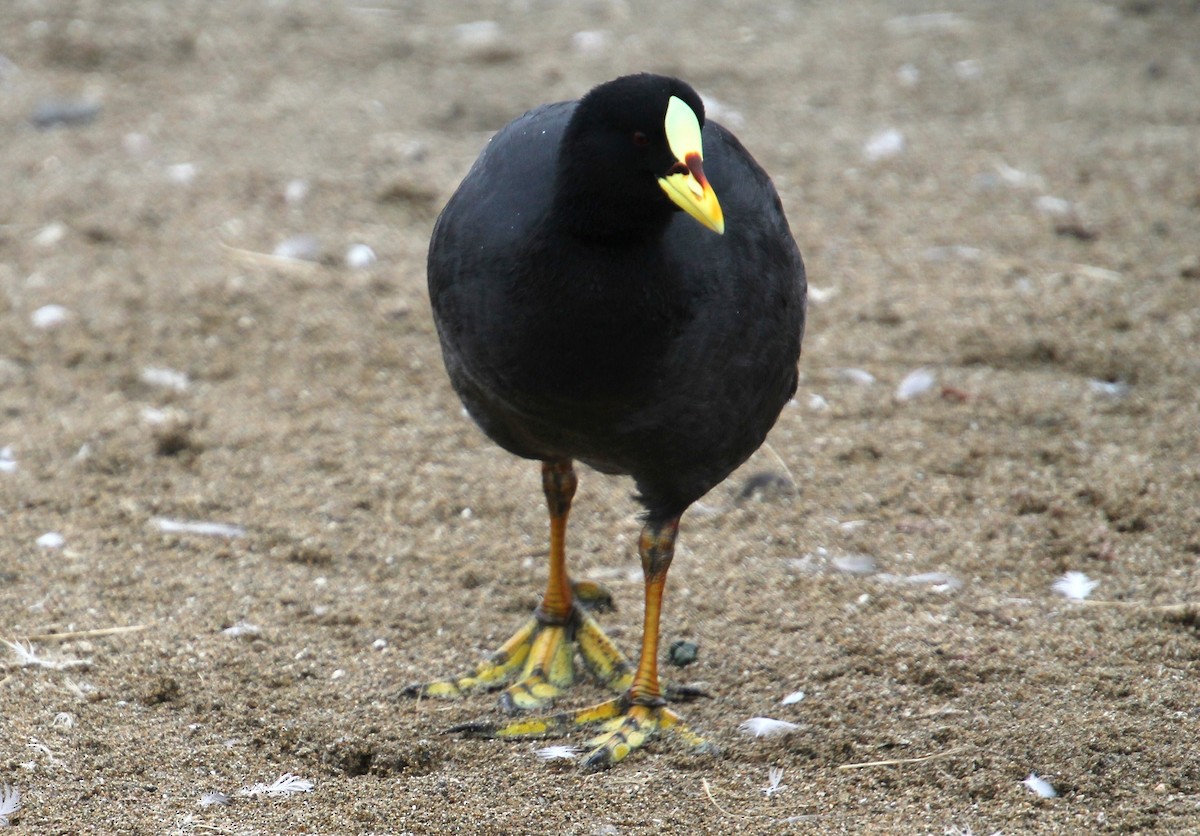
<point>597,302</point>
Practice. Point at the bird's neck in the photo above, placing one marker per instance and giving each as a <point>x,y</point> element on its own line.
<point>588,211</point>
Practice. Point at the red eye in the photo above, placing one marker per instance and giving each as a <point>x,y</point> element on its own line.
<point>640,138</point>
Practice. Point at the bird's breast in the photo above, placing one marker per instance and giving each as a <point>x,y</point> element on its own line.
<point>584,328</point>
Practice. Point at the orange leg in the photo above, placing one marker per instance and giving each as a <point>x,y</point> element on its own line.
<point>539,660</point>
<point>643,712</point>
<point>656,547</point>
<point>558,483</point>
<point>634,718</point>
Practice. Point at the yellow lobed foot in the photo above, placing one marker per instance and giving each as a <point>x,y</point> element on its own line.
<point>539,662</point>
<point>624,727</point>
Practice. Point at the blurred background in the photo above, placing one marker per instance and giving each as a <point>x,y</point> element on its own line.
<point>240,506</point>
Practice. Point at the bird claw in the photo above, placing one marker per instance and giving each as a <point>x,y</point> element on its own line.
<point>538,663</point>
<point>638,725</point>
<point>484,730</point>
<point>519,729</point>
<point>624,727</point>
<point>684,693</point>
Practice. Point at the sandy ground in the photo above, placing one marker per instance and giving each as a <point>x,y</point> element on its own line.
<point>1033,241</point>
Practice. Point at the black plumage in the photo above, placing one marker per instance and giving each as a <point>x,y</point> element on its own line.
<point>583,316</point>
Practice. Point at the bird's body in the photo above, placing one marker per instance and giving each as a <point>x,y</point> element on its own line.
<point>582,316</point>
<point>666,357</point>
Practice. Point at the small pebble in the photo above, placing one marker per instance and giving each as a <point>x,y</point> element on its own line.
<point>51,540</point>
<point>1040,786</point>
<point>854,564</point>
<point>242,629</point>
<point>359,257</point>
<point>69,113</point>
<point>1189,267</point>
<point>166,378</point>
<point>483,40</point>
<point>940,581</point>
<point>1054,207</point>
<point>764,485</point>
<point>204,529</point>
<point>592,41</point>
<point>885,144</point>
<point>295,191</point>
<point>171,430</point>
<point>50,234</point>
<point>858,376</point>
<point>1110,389</point>
<point>1093,273</point>
<point>1018,179</point>
<point>181,173</point>
<point>49,316</point>
<point>136,145</point>
<point>968,70</point>
<point>478,34</point>
<point>683,653</point>
<point>915,383</point>
<point>955,252</point>
<point>817,295</point>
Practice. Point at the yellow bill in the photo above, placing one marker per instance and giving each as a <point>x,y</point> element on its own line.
<point>686,184</point>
